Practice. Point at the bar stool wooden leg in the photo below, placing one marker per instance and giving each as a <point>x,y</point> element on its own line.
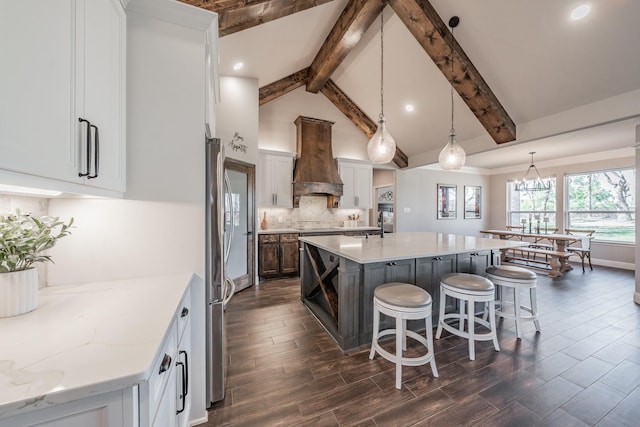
<point>443,298</point>
<point>471,324</point>
<point>429,333</point>
<point>492,323</point>
<point>400,345</point>
<point>517,311</point>
<point>534,307</point>
<point>376,327</point>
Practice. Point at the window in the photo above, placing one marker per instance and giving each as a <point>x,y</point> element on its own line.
<point>533,210</point>
<point>603,201</point>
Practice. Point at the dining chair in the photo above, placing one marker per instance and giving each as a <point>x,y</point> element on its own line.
<point>584,250</point>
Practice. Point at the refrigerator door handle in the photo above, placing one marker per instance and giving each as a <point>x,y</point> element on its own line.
<point>229,290</point>
<point>227,190</point>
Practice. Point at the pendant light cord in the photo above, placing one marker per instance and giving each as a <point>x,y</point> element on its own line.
<point>452,131</point>
<point>381,64</point>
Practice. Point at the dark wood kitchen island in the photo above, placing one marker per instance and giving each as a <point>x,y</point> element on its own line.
<point>339,273</point>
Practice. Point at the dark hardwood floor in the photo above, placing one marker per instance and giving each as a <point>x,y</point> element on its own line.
<point>583,369</point>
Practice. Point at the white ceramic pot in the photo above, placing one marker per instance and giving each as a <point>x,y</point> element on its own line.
<point>18,292</point>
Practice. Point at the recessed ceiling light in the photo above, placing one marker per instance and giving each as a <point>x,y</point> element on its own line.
<point>408,107</point>
<point>238,66</point>
<point>580,12</point>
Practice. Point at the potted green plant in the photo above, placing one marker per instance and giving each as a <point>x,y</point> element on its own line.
<point>23,242</point>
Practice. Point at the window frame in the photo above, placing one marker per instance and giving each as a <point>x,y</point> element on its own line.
<point>567,212</point>
<point>551,214</point>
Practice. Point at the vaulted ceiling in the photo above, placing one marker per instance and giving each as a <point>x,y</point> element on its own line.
<point>514,60</point>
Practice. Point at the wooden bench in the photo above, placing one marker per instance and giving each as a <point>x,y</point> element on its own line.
<point>555,261</point>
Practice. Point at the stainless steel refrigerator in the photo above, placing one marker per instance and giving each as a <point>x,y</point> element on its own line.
<point>218,287</point>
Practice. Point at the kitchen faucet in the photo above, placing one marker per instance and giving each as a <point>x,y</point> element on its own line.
<point>381,220</point>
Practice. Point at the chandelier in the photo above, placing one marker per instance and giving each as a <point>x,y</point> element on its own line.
<point>532,181</point>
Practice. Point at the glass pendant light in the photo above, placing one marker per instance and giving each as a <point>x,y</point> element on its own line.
<point>452,156</point>
<point>382,146</point>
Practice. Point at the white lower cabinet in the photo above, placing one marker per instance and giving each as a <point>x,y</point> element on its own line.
<point>165,400</point>
<point>114,409</point>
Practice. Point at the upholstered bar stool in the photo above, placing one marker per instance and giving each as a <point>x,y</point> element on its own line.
<point>516,278</point>
<point>403,302</point>
<point>468,289</point>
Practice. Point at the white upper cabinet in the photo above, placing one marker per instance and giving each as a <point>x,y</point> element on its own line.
<point>275,183</point>
<point>357,178</point>
<point>63,60</point>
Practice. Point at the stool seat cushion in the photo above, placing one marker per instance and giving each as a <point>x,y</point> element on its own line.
<point>510,272</point>
<point>402,295</point>
<point>467,282</point>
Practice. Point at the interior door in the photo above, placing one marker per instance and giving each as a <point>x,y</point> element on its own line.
<point>239,233</point>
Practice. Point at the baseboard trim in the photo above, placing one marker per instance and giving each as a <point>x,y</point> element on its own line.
<point>612,264</point>
<point>200,420</point>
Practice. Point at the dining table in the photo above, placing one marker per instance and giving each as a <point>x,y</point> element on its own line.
<point>558,250</point>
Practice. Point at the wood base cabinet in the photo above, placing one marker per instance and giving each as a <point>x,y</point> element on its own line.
<point>278,255</point>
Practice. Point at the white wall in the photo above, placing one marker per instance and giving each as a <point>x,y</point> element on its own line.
<point>416,190</point>
<point>238,112</point>
<point>615,255</point>
<point>278,132</point>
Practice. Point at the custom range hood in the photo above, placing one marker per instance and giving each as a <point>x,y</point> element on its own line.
<point>315,172</point>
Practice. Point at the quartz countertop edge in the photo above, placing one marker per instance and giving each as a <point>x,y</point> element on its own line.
<point>318,230</point>
<point>85,339</point>
<point>408,245</point>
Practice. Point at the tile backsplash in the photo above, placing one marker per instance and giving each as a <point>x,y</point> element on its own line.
<point>312,213</point>
<point>37,206</point>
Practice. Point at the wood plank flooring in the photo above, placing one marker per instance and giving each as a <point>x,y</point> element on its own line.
<point>582,370</point>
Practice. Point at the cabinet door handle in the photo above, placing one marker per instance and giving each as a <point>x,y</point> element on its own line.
<point>185,312</point>
<point>276,196</point>
<point>166,364</point>
<point>88,144</point>
<point>96,156</point>
<point>391,264</point>
<point>356,200</point>
<point>182,396</point>
<point>186,369</point>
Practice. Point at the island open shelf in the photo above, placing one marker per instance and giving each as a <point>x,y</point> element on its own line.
<point>339,273</point>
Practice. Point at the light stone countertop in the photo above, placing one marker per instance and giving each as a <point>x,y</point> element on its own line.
<point>397,246</point>
<point>85,340</point>
<point>318,230</point>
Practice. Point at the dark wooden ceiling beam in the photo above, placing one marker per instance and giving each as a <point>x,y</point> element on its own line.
<point>284,85</point>
<point>220,6</point>
<point>349,108</point>
<point>355,19</point>
<point>237,15</point>
<point>358,117</point>
<point>432,33</point>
